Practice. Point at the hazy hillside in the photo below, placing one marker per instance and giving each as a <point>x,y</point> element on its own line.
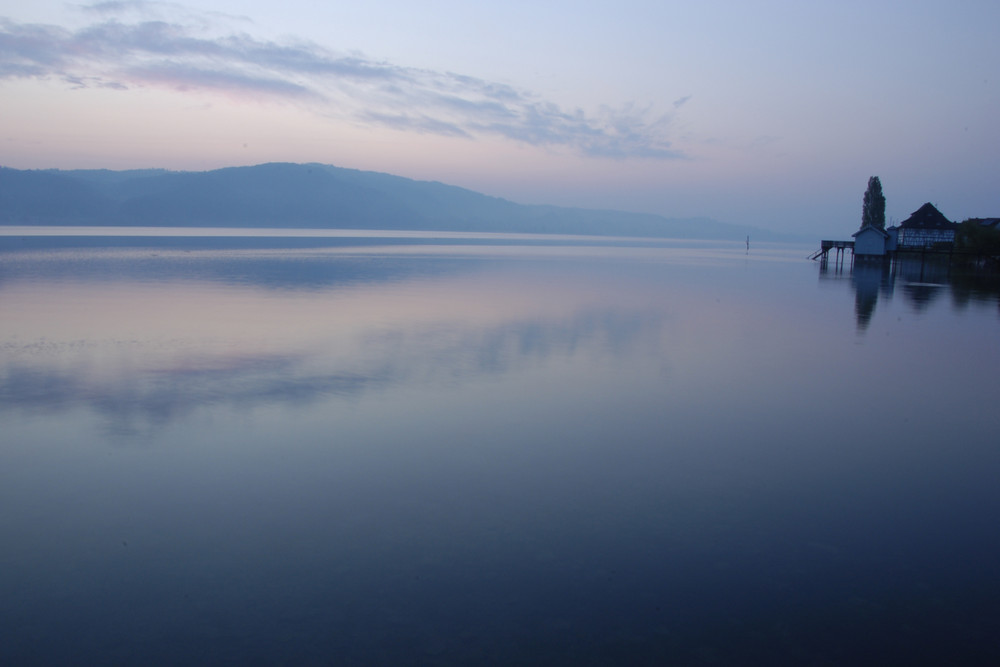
<point>308,195</point>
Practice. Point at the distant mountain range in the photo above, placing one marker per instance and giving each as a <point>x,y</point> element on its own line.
<point>310,196</point>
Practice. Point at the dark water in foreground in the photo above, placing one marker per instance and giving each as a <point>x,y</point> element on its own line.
<point>460,452</point>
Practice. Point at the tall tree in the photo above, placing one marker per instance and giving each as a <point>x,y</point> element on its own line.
<point>873,208</point>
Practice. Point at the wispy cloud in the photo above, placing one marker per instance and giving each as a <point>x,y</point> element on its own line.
<point>143,44</point>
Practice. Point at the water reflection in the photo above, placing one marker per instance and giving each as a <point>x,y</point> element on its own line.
<point>155,347</point>
<point>922,279</point>
<point>870,279</point>
<point>453,455</point>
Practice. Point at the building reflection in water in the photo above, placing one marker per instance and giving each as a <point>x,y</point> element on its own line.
<point>869,279</point>
<point>922,279</point>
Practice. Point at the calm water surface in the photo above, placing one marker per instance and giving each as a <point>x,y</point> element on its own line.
<point>492,450</point>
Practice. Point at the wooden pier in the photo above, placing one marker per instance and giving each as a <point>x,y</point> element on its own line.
<point>839,246</point>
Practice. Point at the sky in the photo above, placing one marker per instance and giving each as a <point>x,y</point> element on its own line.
<point>770,113</point>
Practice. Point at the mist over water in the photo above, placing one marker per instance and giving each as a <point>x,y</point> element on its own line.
<point>512,450</point>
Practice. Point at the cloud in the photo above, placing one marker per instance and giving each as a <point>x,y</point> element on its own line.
<point>185,55</point>
<point>185,77</point>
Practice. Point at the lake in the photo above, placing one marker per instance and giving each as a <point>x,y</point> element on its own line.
<point>431,449</point>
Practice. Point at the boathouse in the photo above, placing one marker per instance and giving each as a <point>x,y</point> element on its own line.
<point>926,228</point>
<point>871,241</point>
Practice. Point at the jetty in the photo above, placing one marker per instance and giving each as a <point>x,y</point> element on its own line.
<point>839,246</point>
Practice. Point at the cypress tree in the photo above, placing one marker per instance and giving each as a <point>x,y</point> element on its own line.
<point>873,207</point>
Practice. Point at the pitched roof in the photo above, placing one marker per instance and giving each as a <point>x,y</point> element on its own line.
<point>882,232</point>
<point>927,217</point>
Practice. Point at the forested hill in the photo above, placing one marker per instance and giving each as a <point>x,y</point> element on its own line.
<point>309,196</point>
